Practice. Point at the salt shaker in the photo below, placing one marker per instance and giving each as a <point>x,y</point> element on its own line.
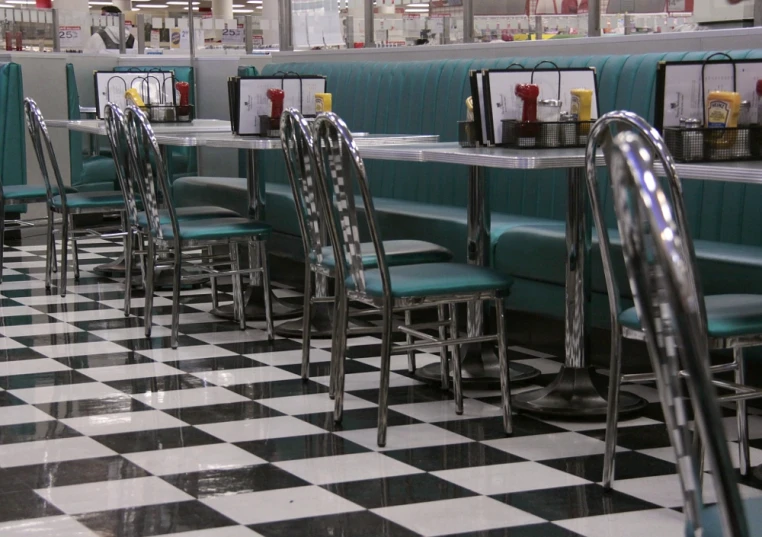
<point>693,139</point>
<point>549,116</point>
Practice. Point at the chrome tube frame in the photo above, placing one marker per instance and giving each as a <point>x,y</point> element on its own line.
<point>669,303</point>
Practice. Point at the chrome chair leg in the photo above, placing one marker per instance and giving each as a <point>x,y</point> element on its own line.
<point>177,273</point>
<point>53,257</point>
<point>150,268</point>
<point>457,372</point>
<point>338,356</point>
<point>742,417</point>
<point>235,265</point>
<point>306,332</point>
<point>74,249</point>
<point>64,253</point>
<point>336,344</point>
<point>612,412</point>
<point>213,282</point>
<point>505,373</point>
<point>444,358</point>
<point>409,341</point>
<point>386,357</point>
<point>50,254</point>
<point>265,264</point>
<point>128,249</point>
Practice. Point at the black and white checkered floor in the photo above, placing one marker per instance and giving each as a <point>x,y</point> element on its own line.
<point>103,432</point>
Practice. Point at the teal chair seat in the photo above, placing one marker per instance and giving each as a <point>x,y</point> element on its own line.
<point>216,229</point>
<point>727,315</point>
<point>189,213</point>
<point>435,279</point>
<point>29,192</point>
<point>91,200</point>
<point>397,253</point>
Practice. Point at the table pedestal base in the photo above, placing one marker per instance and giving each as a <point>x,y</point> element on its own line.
<point>115,269</point>
<point>573,394</point>
<point>255,307</point>
<point>322,325</point>
<point>480,367</point>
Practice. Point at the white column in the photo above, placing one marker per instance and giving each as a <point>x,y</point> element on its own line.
<point>269,22</point>
<point>124,5</point>
<point>72,5</point>
<point>222,9</point>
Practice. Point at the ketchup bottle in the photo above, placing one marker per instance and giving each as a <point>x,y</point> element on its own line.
<point>19,41</point>
<point>528,93</point>
<point>8,41</point>
<point>276,96</point>
<point>183,108</point>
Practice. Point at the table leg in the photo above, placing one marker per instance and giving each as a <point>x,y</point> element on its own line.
<point>576,390</point>
<point>255,298</point>
<point>479,361</point>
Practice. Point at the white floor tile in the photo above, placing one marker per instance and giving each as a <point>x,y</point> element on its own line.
<point>22,284</point>
<point>281,504</point>
<point>593,425</point>
<point>194,459</point>
<point>260,429</point>
<point>311,404</point>
<point>88,315</point>
<point>436,411</point>
<point>249,375</point>
<point>58,526</point>
<point>668,454</point>
<point>461,515</point>
<point>50,451</point>
<point>399,361</point>
<point>7,343</point>
<point>232,336</point>
<point>290,357</point>
<point>351,342</point>
<point>65,392</point>
<point>131,371</point>
<point>513,477</point>
<point>97,288</point>
<point>44,300</point>
<point>124,422</point>
<point>186,318</point>
<point>369,381</point>
<point>189,398</point>
<point>123,334</point>
<point>27,367</point>
<point>136,302</point>
<point>550,446</point>
<point>343,468</point>
<point>110,495</point>
<point>18,311</point>
<point>194,352</point>
<point>229,531</point>
<point>80,349</point>
<point>635,524</point>
<point>405,437</point>
<point>665,490</point>
<point>12,415</point>
<point>38,329</point>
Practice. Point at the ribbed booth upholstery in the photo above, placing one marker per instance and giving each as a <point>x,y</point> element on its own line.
<point>428,201</point>
<point>12,132</point>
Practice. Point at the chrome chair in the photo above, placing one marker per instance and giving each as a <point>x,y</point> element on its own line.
<point>731,321</point>
<point>669,304</point>
<point>385,288</point>
<point>61,200</point>
<point>301,162</point>
<point>178,238</point>
<point>137,220</point>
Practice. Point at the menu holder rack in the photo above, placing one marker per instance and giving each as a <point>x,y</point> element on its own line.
<point>156,89</point>
<point>714,145</point>
<point>545,135</point>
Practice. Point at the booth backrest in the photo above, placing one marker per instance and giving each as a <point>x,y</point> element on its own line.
<point>429,98</point>
<point>12,130</point>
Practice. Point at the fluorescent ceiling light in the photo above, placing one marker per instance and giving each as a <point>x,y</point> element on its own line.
<point>154,6</point>
<point>179,3</point>
<point>101,3</point>
<point>21,2</point>
<point>243,11</point>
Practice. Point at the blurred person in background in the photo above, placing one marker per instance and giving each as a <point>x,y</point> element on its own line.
<point>108,38</point>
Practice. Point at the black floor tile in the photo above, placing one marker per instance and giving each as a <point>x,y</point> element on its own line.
<point>359,524</point>
<point>104,360</point>
<point>301,447</point>
<point>7,399</point>
<point>493,429</point>
<point>155,520</point>
<point>10,355</point>
<point>92,407</point>
<point>145,344</point>
<point>281,388</point>
<point>401,490</point>
<point>403,395</point>
<point>534,530</point>
<point>110,324</point>
<point>236,481</point>
<point>323,369</point>
<point>452,456</point>
<point>364,418</point>
<point>258,347</point>
<point>61,474</point>
<point>24,504</point>
<point>57,339</point>
<point>157,384</point>
<point>629,465</point>
<point>39,380</point>
<point>154,440</point>
<point>573,502</point>
<point>199,415</point>
<point>31,432</point>
<point>218,363</point>
<point>640,437</point>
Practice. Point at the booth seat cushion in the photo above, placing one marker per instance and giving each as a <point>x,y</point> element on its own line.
<point>726,315</point>
<point>29,192</point>
<point>404,252</point>
<point>216,229</point>
<point>98,174</point>
<point>189,213</point>
<point>91,200</point>
<point>538,252</point>
<point>435,279</point>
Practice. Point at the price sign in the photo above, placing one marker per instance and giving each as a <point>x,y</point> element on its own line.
<point>258,40</point>
<point>155,38</point>
<point>70,37</point>
<point>233,36</point>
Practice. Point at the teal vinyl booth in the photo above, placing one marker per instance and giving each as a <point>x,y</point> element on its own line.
<point>12,132</point>
<point>97,172</point>
<point>427,201</point>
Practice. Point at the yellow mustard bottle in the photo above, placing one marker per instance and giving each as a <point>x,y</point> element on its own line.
<point>581,104</point>
<point>323,102</point>
<point>133,97</point>
<point>723,109</point>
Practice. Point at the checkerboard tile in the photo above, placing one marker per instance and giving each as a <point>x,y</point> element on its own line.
<point>106,433</point>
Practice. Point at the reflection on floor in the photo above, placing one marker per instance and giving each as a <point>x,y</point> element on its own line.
<point>103,432</point>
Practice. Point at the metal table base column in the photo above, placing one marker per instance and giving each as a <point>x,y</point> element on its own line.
<point>573,393</point>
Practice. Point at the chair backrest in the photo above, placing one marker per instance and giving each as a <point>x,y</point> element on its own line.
<point>38,132</point>
<point>339,167</point>
<point>601,136</point>
<point>662,282</point>
<point>301,165</point>
<point>117,137</point>
<point>143,150</point>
